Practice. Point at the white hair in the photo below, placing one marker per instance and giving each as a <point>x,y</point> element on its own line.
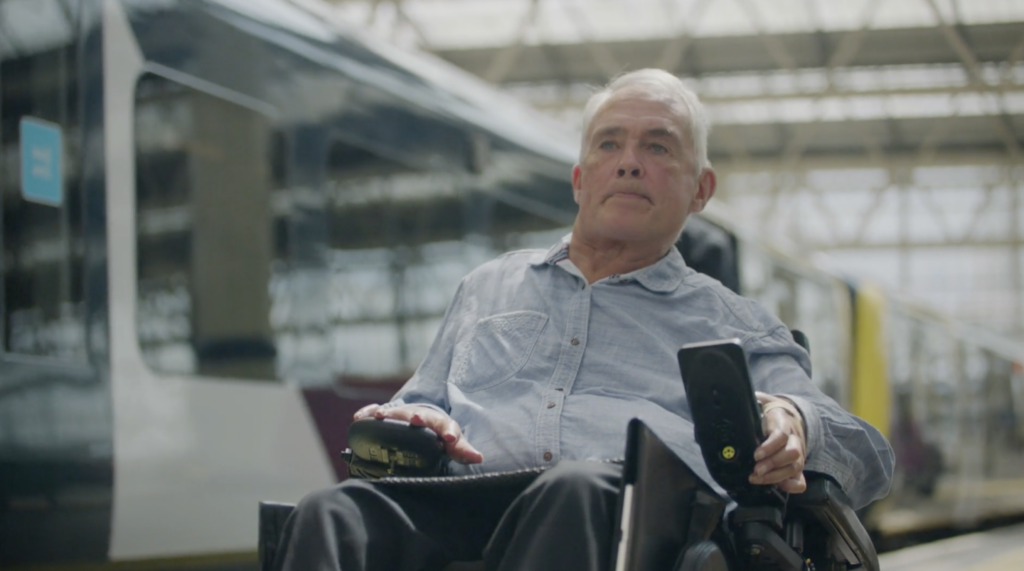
<point>662,86</point>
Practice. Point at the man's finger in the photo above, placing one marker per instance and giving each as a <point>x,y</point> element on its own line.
<point>458,448</point>
<point>783,473</point>
<point>417,416</point>
<point>777,475</point>
<point>463,452</point>
<point>784,464</point>
<point>776,419</point>
<point>441,424</point>
<point>365,412</point>
<point>785,457</point>
<point>796,485</point>
<point>444,426</point>
<point>776,441</point>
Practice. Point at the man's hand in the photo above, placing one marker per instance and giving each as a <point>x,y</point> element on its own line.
<point>780,458</point>
<point>457,447</point>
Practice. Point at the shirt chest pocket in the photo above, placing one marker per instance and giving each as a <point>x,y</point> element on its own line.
<point>497,349</point>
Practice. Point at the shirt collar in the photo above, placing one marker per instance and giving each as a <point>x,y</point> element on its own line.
<point>556,253</point>
<point>663,276</point>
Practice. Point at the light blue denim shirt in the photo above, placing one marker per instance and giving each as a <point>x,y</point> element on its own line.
<point>536,365</point>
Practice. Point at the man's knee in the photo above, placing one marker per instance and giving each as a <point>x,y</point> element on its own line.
<point>564,519</point>
<point>579,478</point>
<point>343,497</point>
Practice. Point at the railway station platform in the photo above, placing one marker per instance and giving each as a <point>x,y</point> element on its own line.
<point>999,549</point>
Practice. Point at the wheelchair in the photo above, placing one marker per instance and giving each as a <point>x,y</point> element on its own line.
<point>767,530</point>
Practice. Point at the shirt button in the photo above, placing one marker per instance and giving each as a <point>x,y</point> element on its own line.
<point>575,341</point>
<point>547,456</point>
<point>551,405</point>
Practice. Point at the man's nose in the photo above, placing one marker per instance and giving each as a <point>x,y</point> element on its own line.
<point>629,165</point>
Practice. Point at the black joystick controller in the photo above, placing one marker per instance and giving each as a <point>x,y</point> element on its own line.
<point>726,414</point>
<point>379,448</point>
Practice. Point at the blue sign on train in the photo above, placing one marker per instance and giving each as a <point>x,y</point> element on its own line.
<point>42,172</point>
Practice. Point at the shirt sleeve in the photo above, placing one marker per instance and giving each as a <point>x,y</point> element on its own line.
<point>429,384</point>
<point>839,444</point>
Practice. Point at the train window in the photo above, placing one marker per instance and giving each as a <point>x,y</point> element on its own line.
<point>401,238</point>
<point>41,296</point>
<point>205,232</point>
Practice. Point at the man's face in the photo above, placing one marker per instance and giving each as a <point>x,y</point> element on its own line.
<point>638,179</point>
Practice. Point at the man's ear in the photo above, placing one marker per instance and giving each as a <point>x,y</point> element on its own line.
<point>577,183</point>
<point>706,184</point>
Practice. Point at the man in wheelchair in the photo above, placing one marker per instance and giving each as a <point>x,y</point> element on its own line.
<point>543,358</point>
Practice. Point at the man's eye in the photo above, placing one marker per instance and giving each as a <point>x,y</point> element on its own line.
<point>659,148</point>
<point>606,145</point>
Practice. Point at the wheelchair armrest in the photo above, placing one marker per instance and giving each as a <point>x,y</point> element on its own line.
<point>272,518</point>
<point>827,504</point>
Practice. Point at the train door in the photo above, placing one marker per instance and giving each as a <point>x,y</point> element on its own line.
<point>205,425</point>
<point>55,425</point>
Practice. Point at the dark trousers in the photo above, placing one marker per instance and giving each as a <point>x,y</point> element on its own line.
<point>563,521</point>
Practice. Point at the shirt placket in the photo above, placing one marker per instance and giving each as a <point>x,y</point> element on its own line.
<point>573,342</point>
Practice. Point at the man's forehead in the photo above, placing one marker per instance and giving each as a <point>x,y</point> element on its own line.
<point>653,125</point>
<point>637,110</point>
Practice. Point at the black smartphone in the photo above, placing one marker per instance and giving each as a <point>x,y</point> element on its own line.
<point>726,414</point>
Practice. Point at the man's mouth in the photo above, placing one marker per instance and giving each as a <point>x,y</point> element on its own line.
<point>632,195</point>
